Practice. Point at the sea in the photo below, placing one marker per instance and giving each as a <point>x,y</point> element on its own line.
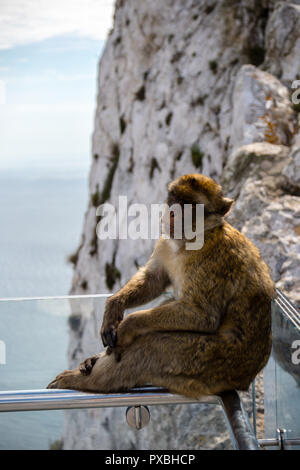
<point>41,220</point>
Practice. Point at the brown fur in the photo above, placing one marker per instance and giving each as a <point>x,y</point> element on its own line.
<point>215,335</point>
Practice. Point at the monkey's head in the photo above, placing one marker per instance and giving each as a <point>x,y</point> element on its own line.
<point>199,189</point>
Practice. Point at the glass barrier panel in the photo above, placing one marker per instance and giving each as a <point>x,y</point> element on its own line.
<point>35,347</point>
<point>282,373</point>
<point>34,339</point>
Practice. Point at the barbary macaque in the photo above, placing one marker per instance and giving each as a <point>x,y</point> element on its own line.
<point>213,335</point>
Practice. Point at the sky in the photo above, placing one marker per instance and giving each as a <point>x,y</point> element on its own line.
<point>49,51</point>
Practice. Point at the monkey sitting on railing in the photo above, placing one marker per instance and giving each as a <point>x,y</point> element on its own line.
<point>214,335</point>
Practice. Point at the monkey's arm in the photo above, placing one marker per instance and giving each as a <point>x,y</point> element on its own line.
<point>173,316</point>
<point>147,284</point>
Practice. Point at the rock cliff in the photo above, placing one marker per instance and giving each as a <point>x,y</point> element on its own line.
<point>189,86</point>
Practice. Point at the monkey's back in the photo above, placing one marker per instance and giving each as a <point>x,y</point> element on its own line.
<point>229,273</point>
<point>246,327</point>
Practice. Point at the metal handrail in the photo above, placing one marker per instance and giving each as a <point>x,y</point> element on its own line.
<point>50,399</point>
<point>56,297</point>
<point>290,311</point>
<point>239,427</point>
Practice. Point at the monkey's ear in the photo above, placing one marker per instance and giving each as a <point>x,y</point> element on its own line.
<point>225,206</point>
<point>193,182</point>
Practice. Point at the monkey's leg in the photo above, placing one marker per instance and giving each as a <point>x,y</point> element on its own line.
<point>171,360</point>
<point>171,316</point>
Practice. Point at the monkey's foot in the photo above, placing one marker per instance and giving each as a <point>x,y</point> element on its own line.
<point>87,365</point>
<point>67,379</point>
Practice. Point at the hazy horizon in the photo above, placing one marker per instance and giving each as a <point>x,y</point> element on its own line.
<point>48,80</point>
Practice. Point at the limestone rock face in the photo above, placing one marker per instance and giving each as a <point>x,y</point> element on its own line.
<point>188,86</point>
<point>261,109</point>
<point>292,168</point>
<point>264,212</point>
<point>283,41</point>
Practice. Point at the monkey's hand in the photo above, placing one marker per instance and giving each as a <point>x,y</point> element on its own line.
<point>124,336</point>
<point>113,315</point>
